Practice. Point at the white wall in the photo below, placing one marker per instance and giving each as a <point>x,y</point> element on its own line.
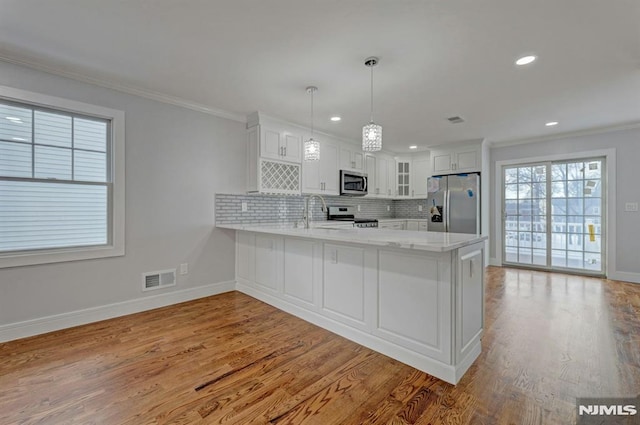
<point>176,160</point>
<point>625,265</point>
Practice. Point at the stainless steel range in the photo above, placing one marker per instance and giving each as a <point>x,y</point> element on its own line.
<point>348,214</point>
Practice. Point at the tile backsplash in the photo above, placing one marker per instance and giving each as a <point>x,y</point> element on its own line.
<point>286,209</point>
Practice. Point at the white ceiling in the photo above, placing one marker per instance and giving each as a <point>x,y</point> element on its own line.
<point>438,58</point>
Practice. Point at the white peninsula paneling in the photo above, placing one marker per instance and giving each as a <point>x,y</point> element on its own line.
<point>414,304</point>
<point>344,285</point>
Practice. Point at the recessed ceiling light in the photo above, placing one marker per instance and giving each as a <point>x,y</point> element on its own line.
<point>525,60</point>
<point>335,118</point>
<point>551,123</point>
<point>413,147</point>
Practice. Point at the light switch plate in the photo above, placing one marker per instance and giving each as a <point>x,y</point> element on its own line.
<point>245,207</point>
<point>184,268</point>
<point>419,207</point>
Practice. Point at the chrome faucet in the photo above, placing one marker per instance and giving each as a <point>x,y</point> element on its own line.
<point>307,213</point>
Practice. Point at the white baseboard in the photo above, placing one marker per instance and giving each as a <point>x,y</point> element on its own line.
<point>494,262</point>
<point>56,322</point>
<point>625,276</point>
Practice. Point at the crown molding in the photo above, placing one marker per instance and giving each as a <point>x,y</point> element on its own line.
<point>36,64</point>
<point>254,119</point>
<point>566,135</point>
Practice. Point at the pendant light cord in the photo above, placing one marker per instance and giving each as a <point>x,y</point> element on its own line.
<point>312,113</point>
<point>371,118</point>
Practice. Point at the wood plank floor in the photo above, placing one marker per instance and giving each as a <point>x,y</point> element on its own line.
<point>231,359</point>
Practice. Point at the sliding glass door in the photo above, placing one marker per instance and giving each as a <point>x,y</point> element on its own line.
<point>553,215</point>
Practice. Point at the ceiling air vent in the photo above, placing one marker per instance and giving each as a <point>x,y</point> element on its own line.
<point>159,279</point>
<point>455,120</point>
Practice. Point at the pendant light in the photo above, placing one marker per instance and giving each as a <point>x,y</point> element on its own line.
<point>311,146</point>
<point>372,132</point>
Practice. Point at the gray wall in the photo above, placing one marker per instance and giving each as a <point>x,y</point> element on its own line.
<point>627,182</point>
<point>176,160</point>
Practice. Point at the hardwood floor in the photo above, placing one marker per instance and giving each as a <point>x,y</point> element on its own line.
<point>549,338</point>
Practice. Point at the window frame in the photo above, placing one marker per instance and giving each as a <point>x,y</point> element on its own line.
<point>116,167</point>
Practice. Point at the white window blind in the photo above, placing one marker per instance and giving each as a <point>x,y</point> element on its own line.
<point>55,186</point>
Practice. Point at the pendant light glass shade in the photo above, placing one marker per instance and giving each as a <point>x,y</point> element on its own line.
<point>371,137</point>
<point>311,146</point>
<point>372,132</point>
<point>311,150</point>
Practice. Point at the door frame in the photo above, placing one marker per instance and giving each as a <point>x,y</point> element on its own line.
<point>610,199</point>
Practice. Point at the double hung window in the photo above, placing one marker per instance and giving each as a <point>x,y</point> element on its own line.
<point>58,175</point>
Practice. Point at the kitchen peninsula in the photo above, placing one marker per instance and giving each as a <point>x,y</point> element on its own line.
<point>417,297</point>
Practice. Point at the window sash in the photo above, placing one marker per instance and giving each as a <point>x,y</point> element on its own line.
<point>79,159</point>
<point>55,146</point>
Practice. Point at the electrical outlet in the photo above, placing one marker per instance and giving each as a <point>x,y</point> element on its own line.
<point>419,207</point>
<point>245,207</point>
<point>631,207</point>
<point>184,268</point>
<point>358,208</point>
<point>388,207</point>
<point>334,256</point>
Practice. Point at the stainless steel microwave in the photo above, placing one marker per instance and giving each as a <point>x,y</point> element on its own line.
<point>353,183</point>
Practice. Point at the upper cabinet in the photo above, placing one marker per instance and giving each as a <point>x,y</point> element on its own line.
<point>456,160</point>
<point>280,144</point>
<point>273,156</point>
<point>380,169</point>
<point>420,172</point>
<point>322,177</point>
<point>351,158</point>
<point>397,178</point>
<point>403,171</point>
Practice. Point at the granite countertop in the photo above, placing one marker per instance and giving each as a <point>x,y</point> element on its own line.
<point>425,241</point>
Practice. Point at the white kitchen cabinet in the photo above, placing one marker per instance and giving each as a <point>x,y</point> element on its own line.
<point>392,224</point>
<point>245,256</point>
<point>279,144</point>
<point>403,171</point>
<point>370,167</point>
<point>420,173</point>
<point>302,258</point>
<point>322,177</point>
<point>267,175</point>
<point>385,176</point>
<point>382,176</point>
<point>268,262</point>
<point>343,286</point>
<point>412,225</point>
<point>470,308</point>
<point>351,158</point>
<point>400,224</point>
<point>456,160</point>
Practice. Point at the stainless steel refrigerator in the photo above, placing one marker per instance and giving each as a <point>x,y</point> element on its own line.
<point>454,203</point>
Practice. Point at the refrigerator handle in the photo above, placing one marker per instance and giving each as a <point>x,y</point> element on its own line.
<point>445,213</point>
